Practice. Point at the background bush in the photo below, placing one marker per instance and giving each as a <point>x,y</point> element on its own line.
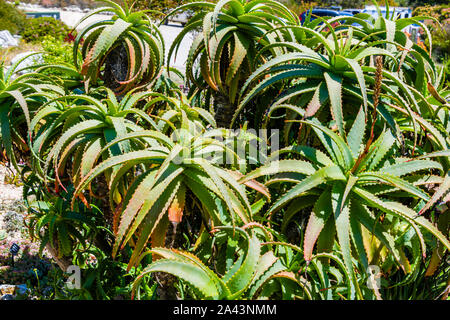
<point>37,28</point>
<point>56,50</point>
<point>10,18</point>
<point>441,12</point>
<point>440,33</point>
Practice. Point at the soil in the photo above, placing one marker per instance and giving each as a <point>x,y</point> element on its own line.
<point>28,266</point>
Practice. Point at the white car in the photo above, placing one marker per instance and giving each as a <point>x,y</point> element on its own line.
<point>400,13</point>
<point>182,18</point>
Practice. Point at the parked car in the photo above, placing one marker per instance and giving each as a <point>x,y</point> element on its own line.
<point>353,11</point>
<point>55,15</point>
<point>400,12</point>
<point>181,18</point>
<point>322,13</point>
<point>71,8</point>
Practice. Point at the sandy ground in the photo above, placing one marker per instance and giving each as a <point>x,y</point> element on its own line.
<point>8,192</point>
<point>169,32</point>
<point>11,208</point>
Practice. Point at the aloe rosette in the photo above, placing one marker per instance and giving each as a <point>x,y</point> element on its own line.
<point>335,76</point>
<point>245,277</point>
<point>20,96</point>
<point>68,132</point>
<point>232,33</point>
<point>133,31</point>
<point>348,187</point>
<point>184,163</point>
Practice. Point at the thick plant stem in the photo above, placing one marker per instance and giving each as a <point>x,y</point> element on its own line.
<point>223,111</point>
<point>116,67</point>
<point>62,262</point>
<point>166,289</point>
<point>166,282</point>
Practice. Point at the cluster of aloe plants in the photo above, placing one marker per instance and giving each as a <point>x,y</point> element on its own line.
<point>157,183</point>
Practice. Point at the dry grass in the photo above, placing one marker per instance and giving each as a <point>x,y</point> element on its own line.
<point>9,53</point>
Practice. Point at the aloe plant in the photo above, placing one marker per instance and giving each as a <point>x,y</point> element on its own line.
<point>386,31</point>
<point>232,33</point>
<point>337,78</point>
<point>17,92</point>
<point>260,268</point>
<point>244,278</point>
<point>129,41</point>
<point>349,187</point>
<point>56,225</point>
<point>169,171</point>
<point>66,73</point>
<point>324,277</point>
<point>79,126</point>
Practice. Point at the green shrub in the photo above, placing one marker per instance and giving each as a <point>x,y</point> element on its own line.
<point>37,28</point>
<point>447,69</point>
<point>10,18</point>
<point>440,33</point>
<point>441,40</point>
<point>56,50</point>
<point>441,12</point>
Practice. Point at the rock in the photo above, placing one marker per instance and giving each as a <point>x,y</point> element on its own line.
<point>22,289</point>
<point>13,221</point>
<point>441,207</point>
<point>7,40</point>
<point>47,291</point>
<point>29,59</point>
<point>7,289</point>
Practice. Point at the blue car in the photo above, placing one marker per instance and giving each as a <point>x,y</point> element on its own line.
<point>323,13</point>
<point>353,11</point>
